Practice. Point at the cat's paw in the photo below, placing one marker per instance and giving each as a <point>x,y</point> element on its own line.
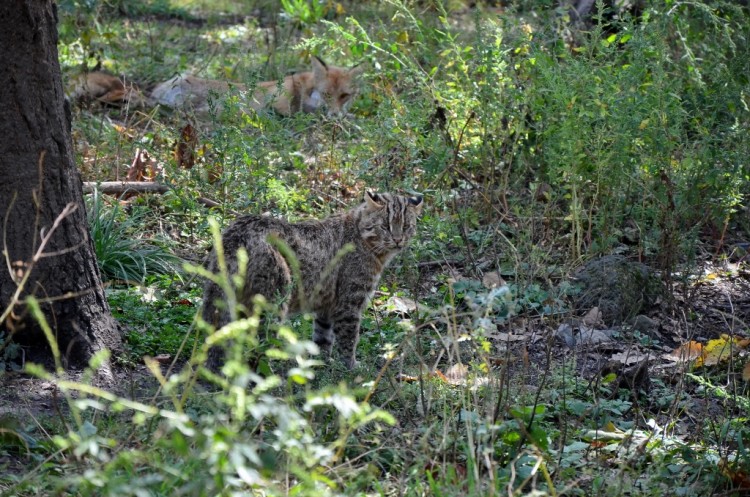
<point>351,363</point>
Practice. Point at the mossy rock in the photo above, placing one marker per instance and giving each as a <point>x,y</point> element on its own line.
<point>620,288</point>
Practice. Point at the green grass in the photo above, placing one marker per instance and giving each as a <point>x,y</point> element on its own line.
<point>122,252</point>
<point>157,318</point>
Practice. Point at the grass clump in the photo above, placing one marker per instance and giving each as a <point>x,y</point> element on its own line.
<point>121,251</point>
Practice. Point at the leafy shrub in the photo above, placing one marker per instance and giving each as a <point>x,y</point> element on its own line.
<point>252,435</point>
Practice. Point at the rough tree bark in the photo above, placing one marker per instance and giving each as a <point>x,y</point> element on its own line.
<point>38,181</point>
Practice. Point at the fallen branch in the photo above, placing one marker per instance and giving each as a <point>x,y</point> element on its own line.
<point>114,187</point>
<point>120,187</point>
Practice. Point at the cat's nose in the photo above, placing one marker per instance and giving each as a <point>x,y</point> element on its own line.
<point>398,241</point>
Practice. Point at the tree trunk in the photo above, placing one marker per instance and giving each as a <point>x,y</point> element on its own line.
<point>38,181</point>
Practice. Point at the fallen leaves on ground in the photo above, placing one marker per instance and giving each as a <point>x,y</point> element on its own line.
<point>143,167</point>
<point>629,357</point>
<point>686,352</point>
<point>710,354</point>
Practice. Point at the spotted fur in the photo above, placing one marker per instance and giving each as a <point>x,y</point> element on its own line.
<point>377,229</point>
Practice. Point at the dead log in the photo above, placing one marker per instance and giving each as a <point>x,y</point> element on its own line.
<point>120,187</point>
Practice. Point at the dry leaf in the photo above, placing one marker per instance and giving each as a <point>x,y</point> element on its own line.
<point>401,305</point>
<point>628,357</point>
<point>215,172</point>
<point>593,318</point>
<point>590,336</point>
<point>506,337</point>
<point>746,372</point>
<point>525,357</point>
<point>143,167</point>
<point>740,479</point>
<point>686,352</point>
<point>186,147</point>
<point>124,130</point>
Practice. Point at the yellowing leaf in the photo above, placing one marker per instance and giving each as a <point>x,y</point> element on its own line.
<point>717,350</point>
<point>610,427</point>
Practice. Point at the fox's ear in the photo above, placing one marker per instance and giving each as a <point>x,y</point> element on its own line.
<point>320,69</point>
<point>357,70</point>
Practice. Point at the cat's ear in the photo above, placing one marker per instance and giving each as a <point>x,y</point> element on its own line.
<point>320,68</point>
<point>374,201</point>
<point>415,202</point>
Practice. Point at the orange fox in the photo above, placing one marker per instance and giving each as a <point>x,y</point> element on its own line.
<point>326,87</point>
<point>105,88</point>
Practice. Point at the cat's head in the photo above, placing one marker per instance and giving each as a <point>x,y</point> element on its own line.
<point>388,221</point>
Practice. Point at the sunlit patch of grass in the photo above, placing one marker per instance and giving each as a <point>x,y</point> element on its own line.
<point>156,317</point>
<point>231,7</point>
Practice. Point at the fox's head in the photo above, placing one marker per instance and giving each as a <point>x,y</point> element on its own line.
<point>333,88</point>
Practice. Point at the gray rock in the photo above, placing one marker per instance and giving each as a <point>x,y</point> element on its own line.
<point>574,335</point>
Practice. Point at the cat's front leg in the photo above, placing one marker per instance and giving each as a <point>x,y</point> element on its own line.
<point>347,336</point>
<point>323,336</point>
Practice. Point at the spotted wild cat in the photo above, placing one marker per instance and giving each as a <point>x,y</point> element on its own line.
<point>377,229</point>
